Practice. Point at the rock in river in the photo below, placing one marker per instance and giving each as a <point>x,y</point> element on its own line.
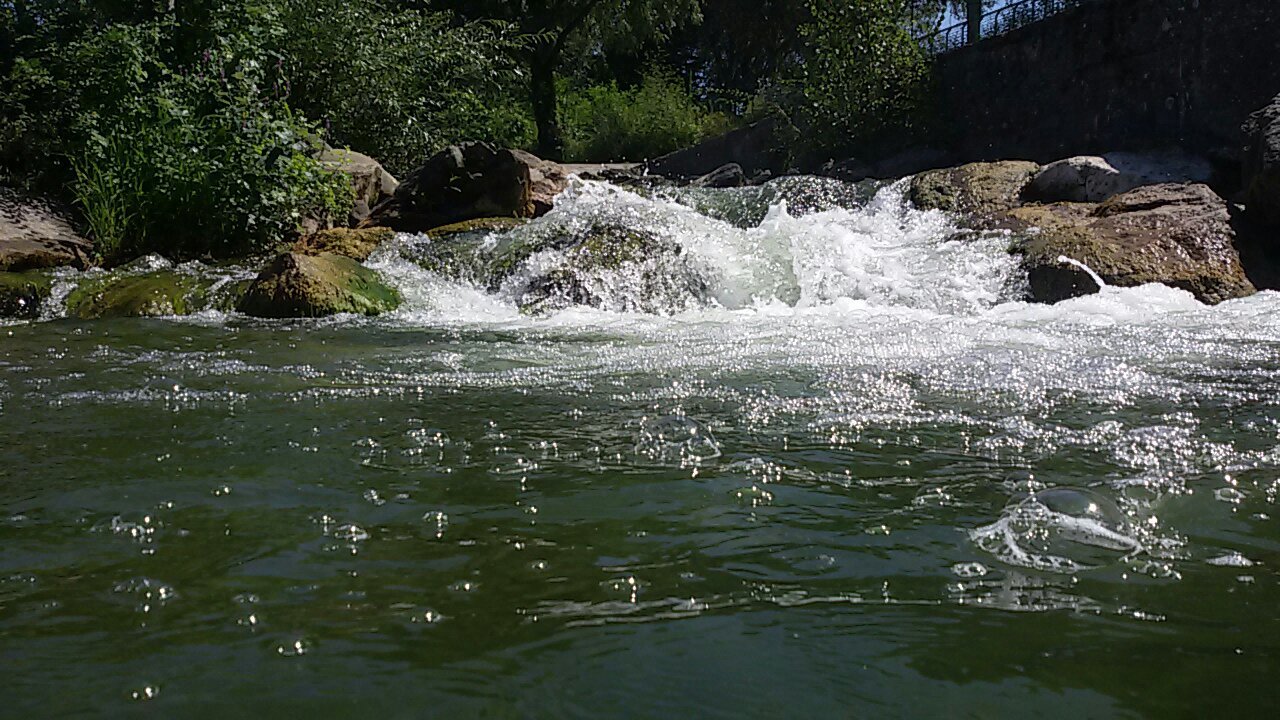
<point>469,181</point>
<point>297,285</point>
<point>978,189</point>
<point>1176,234</point>
<point>22,293</point>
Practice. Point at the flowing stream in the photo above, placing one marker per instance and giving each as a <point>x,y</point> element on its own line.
<point>850,473</point>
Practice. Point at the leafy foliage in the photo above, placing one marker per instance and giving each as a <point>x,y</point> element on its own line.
<point>400,84</point>
<point>603,123</point>
<point>863,72</point>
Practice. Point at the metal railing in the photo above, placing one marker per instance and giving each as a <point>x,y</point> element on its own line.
<point>996,22</point>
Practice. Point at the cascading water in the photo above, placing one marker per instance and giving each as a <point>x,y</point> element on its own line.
<point>802,422</point>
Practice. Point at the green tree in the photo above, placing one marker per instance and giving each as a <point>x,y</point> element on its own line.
<point>552,30</point>
<point>863,70</point>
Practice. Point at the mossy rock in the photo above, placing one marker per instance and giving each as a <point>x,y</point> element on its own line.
<point>978,189</point>
<point>659,276</point>
<point>481,225</point>
<point>296,285</point>
<point>22,293</point>
<point>357,244</point>
<point>154,294</point>
<point>1175,234</point>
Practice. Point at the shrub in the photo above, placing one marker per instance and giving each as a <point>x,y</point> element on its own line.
<point>400,84</point>
<point>863,72</point>
<point>604,123</point>
<point>201,161</point>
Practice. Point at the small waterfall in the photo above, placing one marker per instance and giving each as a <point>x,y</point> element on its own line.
<point>798,242</point>
<point>1063,259</point>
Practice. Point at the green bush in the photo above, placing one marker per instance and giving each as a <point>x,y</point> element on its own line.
<point>606,124</point>
<point>398,84</point>
<point>863,73</point>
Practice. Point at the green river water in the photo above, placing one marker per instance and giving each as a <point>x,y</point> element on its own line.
<point>908,493</point>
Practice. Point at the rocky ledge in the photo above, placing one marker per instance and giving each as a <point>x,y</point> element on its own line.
<point>1179,234</point>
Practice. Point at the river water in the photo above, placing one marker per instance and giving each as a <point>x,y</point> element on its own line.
<point>859,476</point>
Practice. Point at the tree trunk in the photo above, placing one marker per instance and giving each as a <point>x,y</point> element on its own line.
<point>542,89</point>
<point>973,18</point>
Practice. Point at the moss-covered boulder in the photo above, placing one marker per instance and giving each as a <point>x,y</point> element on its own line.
<point>617,268</point>
<point>480,225</point>
<point>976,189</point>
<point>357,244</point>
<point>1173,233</point>
<point>297,285</point>
<point>22,293</point>
<point>152,294</point>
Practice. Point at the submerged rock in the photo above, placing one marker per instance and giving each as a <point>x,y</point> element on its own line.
<point>357,244</point>
<point>37,234</point>
<point>469,181</point>
<point>980,189</point>
<point>726,176</point>
<point>1262,164</point>
<point>22,293</point>
<point>296,285</point>
<point>157,293</point>
<point>544,268</point>
<point>479,225</point>
<point>1176,234</point>
<point>616,268</point>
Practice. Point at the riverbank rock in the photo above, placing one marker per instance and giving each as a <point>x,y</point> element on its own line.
<point>469,181</point>
<point>370,181</point>
<point>37,234</point>
<point>355,243</point>
<point>22,293</point>
<point>297,285</point>
<point>1176,234</point>
<point>1262,164</point>
<point>978,189</point>
<point>1092,178</point>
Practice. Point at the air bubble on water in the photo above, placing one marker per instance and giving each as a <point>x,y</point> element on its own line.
<point>754,496</point>
<point>372,496</point>
<point>969,569</point>
<point>676,439</point>
<point>148,692</point>
<point>437,522</point>
<point>295,648</point>
<point>1231,559</point>
<point>350,532</point>
<point>464,586</point>
<point>1060,529</point>
<point>1229,495</point>
<point>149,593</point>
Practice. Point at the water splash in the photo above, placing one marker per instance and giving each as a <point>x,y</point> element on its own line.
<point>1064,260</point>
<point>1062,530</point>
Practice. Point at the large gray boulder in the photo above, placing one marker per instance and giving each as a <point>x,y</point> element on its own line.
<point>37,234</point>
<point>1177,234</point>
<point>470,181</point>
<point>1094,178</point>
<point>1262,164</point>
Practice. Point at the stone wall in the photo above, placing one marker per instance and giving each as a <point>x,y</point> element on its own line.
<point>1115,75</point>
